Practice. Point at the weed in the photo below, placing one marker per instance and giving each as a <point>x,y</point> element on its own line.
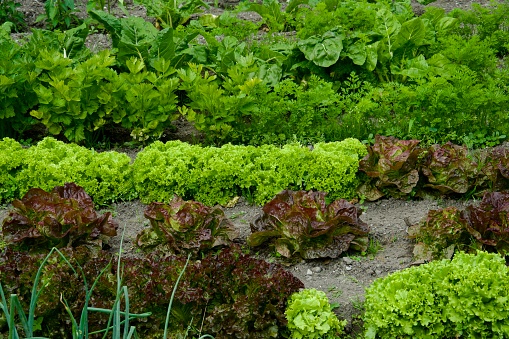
<point>59,14</point>
<point>335,292</point>
<point>357,303</point>
<point>238,214</point>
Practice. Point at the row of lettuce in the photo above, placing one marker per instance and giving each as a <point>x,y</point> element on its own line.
<point>224,291</point>
<point>215,175</point>
<point>384,71</point>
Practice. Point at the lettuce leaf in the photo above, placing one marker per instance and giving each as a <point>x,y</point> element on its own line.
<point>64,217</point>
<point>185,226</point>
<point>302,223</point>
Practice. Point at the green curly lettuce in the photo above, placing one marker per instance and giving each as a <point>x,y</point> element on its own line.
<point>310,316</point>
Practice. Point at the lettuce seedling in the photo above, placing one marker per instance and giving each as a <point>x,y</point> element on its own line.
<point>301,222</point>
<point>64,217</point>
<point>185,226</point>
<point>391,166</point>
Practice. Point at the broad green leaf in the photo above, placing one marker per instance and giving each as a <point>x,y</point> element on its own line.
<point>372,56</point>
<point>416,68</point>
<point>447,23</point>
<point>357,52</point>
<point>110,22</point>
<point>412,31</point>
<point>388,26</point>
<point>163,46</point>
<point>323,51</point>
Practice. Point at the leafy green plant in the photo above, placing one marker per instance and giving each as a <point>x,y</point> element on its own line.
<point>9,165</point>
<point>64,217</point>
<point>173,13</point>
<point>272,13</point>
<point>186,226</point>
<point>485,226</point>
<point>9,13</point>
<point>104,176</point>
<point>302,223</point>
<point>465,297</point>
<point>59,14</point>
<point>309,315</point>
<point>215,175</point>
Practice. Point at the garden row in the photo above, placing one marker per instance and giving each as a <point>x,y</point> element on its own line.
<point>384,71</point>
<point>212,175</point>
<point>227,292</point>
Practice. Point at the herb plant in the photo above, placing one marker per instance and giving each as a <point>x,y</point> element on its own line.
<point>302,223</point>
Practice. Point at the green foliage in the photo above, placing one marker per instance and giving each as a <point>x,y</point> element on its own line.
<point>485,226</point>
<point>310,316</point>
<point>147,104</point>
<point>172,13</point>
<point>10,162</point>
<point>60,14</point>
<point>105,176</point>
<point>302,223</point>
<point>487,22</point>
<point>10,13</point>
<point>64,217</point>
<point>465,297</point>
<point>215,175</point>
<point>272,14</point>
<point>185,227</point>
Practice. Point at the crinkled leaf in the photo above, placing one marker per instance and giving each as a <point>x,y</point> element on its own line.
<point>63,217</point>
<point>186,226</point>
<point>323,50</point>
<point>301,222</point>
<point>449,169</point>
<point>392,165</point>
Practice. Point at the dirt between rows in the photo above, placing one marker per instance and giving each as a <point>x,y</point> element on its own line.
<point>343,279</point>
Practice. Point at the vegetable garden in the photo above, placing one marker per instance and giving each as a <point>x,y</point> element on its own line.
<point>309,111</point>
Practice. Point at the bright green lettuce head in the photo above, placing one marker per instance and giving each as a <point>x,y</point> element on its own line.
<point>310,316</point>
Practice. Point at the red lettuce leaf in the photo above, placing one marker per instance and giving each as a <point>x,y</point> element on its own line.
<point>227,295</point>
<point>485,226</point>
<point>185,227</point>
<point>391,166</point>
<point>61,218</point>
<point>449,169</point>
<point>300,222</point>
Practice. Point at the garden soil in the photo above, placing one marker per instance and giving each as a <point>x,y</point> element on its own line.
<point>343,279</point>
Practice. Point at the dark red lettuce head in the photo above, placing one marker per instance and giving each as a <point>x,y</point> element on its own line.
<point>64,217</point>
<point>391,166</point>
<point>300,222</point>
<point>185,226</point>
<point>449,169</point>
<point>485,226</point>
